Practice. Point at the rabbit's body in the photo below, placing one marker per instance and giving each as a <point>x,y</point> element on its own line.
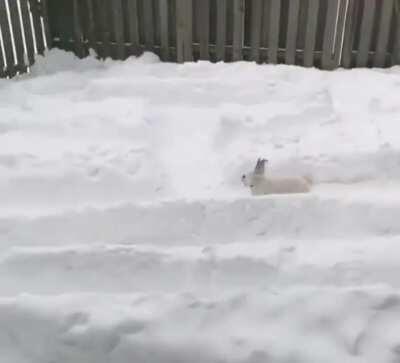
<point>273,185</point>
<point>261,184</point>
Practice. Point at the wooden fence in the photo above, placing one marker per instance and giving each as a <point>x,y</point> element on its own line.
<point>320,33</point>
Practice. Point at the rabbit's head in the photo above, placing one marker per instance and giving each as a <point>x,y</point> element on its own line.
<point>249,179</point>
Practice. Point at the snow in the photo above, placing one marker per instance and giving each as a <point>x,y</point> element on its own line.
<point>126,234</point>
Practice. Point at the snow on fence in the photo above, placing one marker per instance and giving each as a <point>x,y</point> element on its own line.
<point>321,33</point>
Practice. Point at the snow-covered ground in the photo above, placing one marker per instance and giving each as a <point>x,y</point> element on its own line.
<point>127,236</point>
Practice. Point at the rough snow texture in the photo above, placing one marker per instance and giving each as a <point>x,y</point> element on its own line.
<point>126,234</point>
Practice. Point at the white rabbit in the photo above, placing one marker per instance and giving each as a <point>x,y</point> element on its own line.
<point>260,184</point>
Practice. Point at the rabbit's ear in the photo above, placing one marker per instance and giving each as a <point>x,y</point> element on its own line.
<point>259,169</point>
<point>260,166</point>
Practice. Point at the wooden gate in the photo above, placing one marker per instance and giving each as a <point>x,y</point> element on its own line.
<point>23,34</point>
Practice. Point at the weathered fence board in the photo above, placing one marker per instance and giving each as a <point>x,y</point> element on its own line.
<point>26,21</point>
<point>184,31</point>
<point>349,31</point>
<point>133,26</point>
<point>91,27</point>
<point>17,33</point>
<point>339,33</point>
<point>118,27</point>
<point>256,23</point>
<point>273,36</point>
<point>396,24</point>
<point>366,32</point>
<point>311,32</point>
<point>46,25</point>
<point>36,9</point>
<point>238,29</point>
<point>202,9</point>
<point>383,33</point>
<point>265,23</point>
<point>2,64</point>
<point>291,35</point>
<point>148,25</point>
<point>164,29</point>
<point>78,33</point>
<point>221,29</point>
<point>329,34</point>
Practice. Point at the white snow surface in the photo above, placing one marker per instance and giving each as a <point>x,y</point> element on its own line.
<point>127,236</point>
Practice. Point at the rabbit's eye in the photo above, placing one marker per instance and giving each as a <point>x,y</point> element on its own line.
<point>243,176</point>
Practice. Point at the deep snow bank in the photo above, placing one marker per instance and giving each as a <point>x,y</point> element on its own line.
<point>126,235</point>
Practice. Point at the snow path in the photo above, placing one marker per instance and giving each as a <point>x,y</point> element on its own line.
<point>126,235</point>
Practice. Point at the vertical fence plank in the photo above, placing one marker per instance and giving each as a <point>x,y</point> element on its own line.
<point>184,32</point>
<point>329,35</point>
<point>180,30</point>
<point>311,32</point>
<point>291,35</point>
<point>8,49</point>
<point>188,49</point>
<point>256,19</point>
<point>46,24</point>
<point>104,28</point>
<point>350,28</point>
<point>36,9</point>
<point>118,27</point>
<point>339,33</point>
<point>366,32</point>
<point>78,34</point>
<point>26,21</point>
<point>17,34</point>
<point>91,26</point>
<point>238,29</point>
<point>396,47</point>
<point>148,24</point>
<point>266,22</point>
<point>221,30</point>
<point>383,34</point>
<point>164,29</point>
<point>133,24</point>
<point>273,38</point>
<point>2,64</point>
<point>203,27</point>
